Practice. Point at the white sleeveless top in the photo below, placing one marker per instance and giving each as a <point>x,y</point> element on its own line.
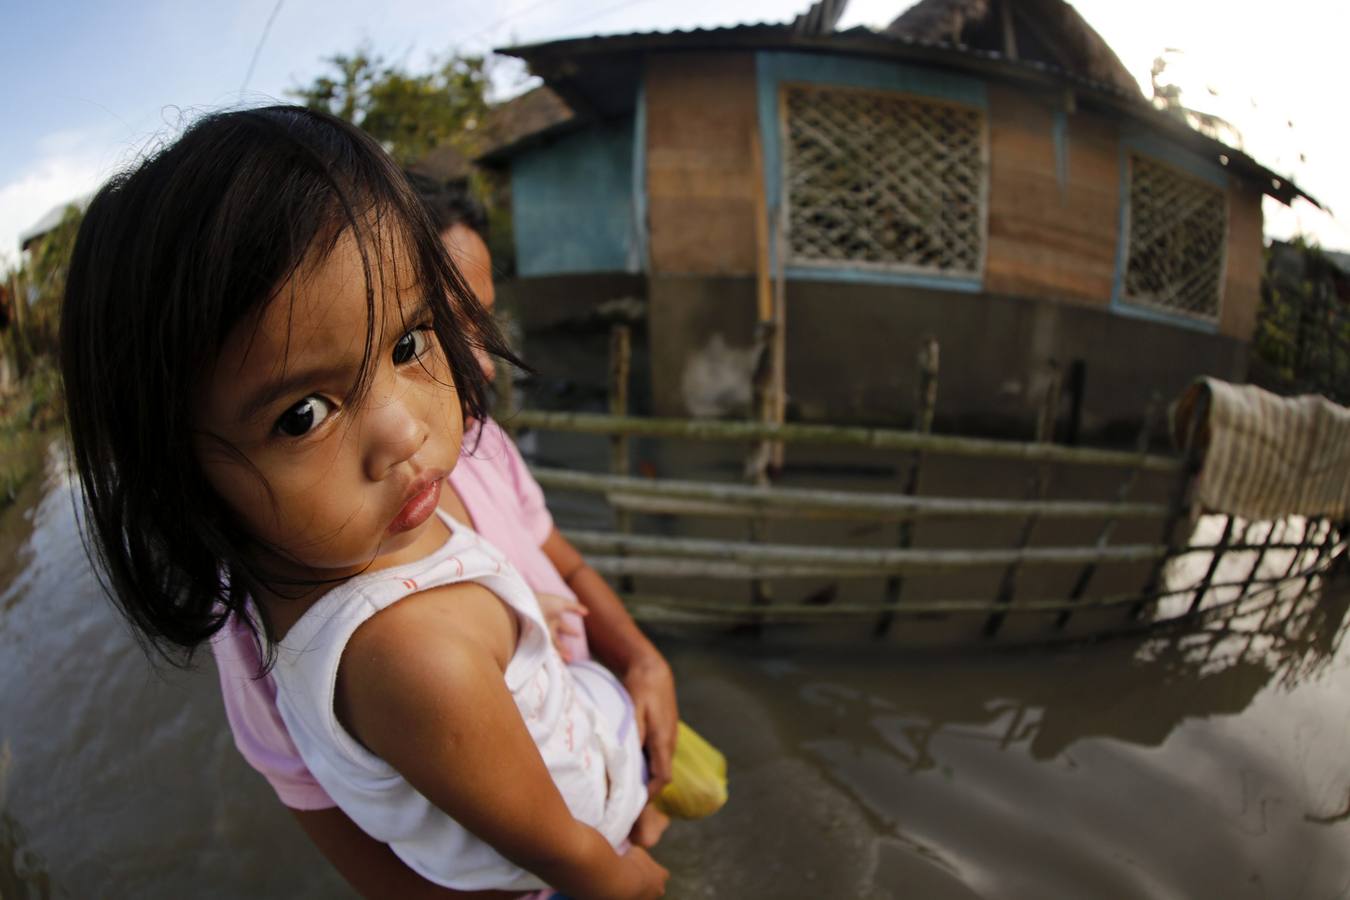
<point>587,740</point>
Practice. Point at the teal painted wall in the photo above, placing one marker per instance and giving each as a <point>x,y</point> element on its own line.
<point>573,206</point>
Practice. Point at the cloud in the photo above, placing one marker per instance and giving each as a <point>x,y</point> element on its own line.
<point>67,167</point>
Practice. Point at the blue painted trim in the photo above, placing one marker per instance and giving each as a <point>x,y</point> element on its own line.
<point>640,235</point>
<point>774,68</point>
<point>874,276</point>
<point>1160,149</point>
<point>1165,151</point>
<point>1130,310</point>
<point>1059,134</point>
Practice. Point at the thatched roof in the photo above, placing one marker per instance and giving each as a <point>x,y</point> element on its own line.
<point>1048,31</point>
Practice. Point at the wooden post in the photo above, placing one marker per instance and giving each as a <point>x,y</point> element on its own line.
<point>1045,424</point>
<point>777,406</point>
<point>925,399</point>
<point>1076,386</point>
<point>620,360</point>
<point>925,406</point>
<point>762,453</point>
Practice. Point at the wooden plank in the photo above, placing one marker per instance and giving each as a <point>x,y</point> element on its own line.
<point>1244,264</point>
<point>700,184</point>
<point>1044,237</point>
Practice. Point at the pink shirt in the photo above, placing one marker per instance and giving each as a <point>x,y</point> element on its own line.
<point>507,507</point>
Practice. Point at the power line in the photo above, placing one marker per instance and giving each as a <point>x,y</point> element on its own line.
<point>542,3</point>
<point>506,20</point>
<point>257,51</point>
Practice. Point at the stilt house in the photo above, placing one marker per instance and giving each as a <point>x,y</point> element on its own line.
<point>983,171</point>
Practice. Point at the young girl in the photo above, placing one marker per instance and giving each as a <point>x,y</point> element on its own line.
<point>268,360</point>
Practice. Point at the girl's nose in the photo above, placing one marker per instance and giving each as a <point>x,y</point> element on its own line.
<point>393,433</point>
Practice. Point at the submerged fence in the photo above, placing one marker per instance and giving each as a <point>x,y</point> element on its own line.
<point>1249,561</point>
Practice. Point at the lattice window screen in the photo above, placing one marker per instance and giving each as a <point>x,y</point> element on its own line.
<point>1178,226</point>
<point>883,180</point>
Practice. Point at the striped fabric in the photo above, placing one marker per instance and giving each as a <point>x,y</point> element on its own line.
<point>1266,456</point>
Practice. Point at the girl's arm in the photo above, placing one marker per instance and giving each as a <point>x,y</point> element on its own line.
<point>420,684</point>
<point>618,643</point>
<point>370,866</point>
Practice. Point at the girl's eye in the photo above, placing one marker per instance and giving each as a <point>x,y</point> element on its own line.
<point>301,418</point>
<point>412,345</point>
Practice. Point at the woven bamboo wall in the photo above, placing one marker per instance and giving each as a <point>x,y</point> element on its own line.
<point>1048,239</point>
<point>700,114</point>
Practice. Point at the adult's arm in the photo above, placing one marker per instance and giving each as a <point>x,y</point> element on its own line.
<point>371,867</point>
<point>616,641</point>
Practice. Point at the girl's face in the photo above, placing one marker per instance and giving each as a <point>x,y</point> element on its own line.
<point>336,487</point>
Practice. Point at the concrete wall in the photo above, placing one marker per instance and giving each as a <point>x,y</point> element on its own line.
<point>851,350</point>
<point>572,204</point>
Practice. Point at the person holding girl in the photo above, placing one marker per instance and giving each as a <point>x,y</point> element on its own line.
<point>492,489</point>
<point>269,359</point>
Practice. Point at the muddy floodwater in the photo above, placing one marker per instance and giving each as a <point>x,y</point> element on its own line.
<point>1184,765</point>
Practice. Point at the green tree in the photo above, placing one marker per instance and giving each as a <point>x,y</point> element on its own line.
<point>408,113</point>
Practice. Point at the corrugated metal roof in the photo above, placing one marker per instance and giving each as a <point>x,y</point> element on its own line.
<point>865,41</point>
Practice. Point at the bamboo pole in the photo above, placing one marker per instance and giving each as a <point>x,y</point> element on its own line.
<point>1181,497</point>
<point>715,499</point>
<point>867,561</point>
<point>702,607</point>
<point>1049,413</point>
<point>844,436</point>
<point>1037,488</point>
<point>620,360</point>
<point>1122,493</point>
<point>1204,586</point>
<point>761,452</point>
<point>925,403</point>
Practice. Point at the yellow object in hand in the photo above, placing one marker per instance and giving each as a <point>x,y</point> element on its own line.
<point>698,779</point>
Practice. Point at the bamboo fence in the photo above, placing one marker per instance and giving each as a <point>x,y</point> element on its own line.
<point>757,564</point>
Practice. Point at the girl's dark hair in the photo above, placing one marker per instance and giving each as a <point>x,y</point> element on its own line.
<point>171,256</point>
<point>449,203</point>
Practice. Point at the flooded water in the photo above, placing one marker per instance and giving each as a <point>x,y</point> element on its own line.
<point>1193,764</point>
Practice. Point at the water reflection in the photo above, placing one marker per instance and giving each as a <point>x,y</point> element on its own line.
<point>1201,761</point>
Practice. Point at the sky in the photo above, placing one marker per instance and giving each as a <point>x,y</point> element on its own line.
<point>90,86</point>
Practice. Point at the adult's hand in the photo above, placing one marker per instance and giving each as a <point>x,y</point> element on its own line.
<point>652,686</point>
<point>617,642</point>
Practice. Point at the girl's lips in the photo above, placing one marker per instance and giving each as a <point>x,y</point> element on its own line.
<point>418,508</point>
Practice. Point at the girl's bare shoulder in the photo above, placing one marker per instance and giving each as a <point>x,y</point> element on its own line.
<point>445,643</point>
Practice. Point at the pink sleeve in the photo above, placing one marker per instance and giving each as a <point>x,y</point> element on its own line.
<point>529,496</point>
<point>259,733</point>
